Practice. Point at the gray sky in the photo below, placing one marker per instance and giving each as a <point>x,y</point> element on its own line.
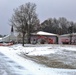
<point>45,9</point>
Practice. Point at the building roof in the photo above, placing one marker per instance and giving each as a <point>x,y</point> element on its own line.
<point>68,34</point>
<point>44,33</point>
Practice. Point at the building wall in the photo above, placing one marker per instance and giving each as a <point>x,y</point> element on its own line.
<point>9,38</point>
<point>47,39</point>
<point>67,39</point>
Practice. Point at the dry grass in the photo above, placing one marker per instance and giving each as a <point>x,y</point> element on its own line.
<point>66,59</point>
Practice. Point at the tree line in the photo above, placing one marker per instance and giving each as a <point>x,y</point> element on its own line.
<point>58,26</point>
<point>25,21</point>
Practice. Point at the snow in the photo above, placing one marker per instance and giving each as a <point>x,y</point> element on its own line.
<point>0,38</point>
<point>37,69</point>
<point>45,33</point>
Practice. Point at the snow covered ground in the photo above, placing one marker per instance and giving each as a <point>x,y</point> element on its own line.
<point>13,52</point>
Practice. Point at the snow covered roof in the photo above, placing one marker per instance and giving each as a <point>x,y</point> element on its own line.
<point>68,34</point>
<point>46,33</point>
<point>9,36</point>
<point>6,36</point>
<point>0,38</point>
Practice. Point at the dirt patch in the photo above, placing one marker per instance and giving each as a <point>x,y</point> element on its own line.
<point>63,59</point>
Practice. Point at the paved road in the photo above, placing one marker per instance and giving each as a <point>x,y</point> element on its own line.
<point>9,67</point>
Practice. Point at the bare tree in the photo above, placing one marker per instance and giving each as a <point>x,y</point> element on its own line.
<point>25,20</point>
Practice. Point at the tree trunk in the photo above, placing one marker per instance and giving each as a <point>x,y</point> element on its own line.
<point>28,38</point>
<point>23,39</point>
<point>28,34</point>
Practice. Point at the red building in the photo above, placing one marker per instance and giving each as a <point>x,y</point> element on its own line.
<point>44,38</point>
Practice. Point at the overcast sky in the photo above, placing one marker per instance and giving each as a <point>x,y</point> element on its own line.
<point>45,9</point>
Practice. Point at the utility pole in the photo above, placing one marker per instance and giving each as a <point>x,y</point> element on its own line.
<point>71,30</point>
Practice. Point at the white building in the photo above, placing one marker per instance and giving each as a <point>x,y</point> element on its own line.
<point>10,37</point>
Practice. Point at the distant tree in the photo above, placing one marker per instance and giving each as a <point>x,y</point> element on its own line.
<point>63,23</point>
<point>1,35</point>
<point>58,26</point>
<point>55,25</point>
<point>25,20</point>
<point>74,27</point>
<point>4,35</point>
<point>48,25</point>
